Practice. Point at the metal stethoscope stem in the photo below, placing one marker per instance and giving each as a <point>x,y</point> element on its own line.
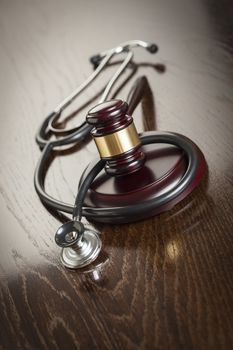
<point>103,59</point>
<point>100,61</point>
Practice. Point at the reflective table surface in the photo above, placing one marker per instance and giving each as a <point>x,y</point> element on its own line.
<point>161,283</point>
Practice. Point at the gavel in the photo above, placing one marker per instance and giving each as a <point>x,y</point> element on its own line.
<point>116,138</point>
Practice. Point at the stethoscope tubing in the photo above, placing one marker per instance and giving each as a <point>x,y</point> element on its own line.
<point>190,149</point>
<point>83,129</point>
<point>99,61</point>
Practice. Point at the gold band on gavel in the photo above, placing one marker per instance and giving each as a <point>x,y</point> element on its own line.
<point>118,142</point>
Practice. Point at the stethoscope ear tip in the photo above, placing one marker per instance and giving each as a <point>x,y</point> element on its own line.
<point>153,48</point>
<point>95,60</point>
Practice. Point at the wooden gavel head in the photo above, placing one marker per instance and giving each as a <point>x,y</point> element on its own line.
<point>116,137</point>
<point>160,168</point>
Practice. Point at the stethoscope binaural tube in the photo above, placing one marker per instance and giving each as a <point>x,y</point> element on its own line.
<point>99,62</point>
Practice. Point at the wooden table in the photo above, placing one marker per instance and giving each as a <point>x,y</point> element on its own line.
<point>166,282</point>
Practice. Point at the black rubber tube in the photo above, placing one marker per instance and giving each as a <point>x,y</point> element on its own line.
<point>190,149</point>
<point>78,135</point>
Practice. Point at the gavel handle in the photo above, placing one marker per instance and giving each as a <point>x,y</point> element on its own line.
<point>137,93</point>
<point>141,92</point>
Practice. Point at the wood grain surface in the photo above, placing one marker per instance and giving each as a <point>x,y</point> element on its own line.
<point>162,283</point>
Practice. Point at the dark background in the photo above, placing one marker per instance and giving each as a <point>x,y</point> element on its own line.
<point>166,282</point>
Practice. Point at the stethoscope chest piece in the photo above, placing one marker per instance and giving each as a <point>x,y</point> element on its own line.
<point>80,246</point>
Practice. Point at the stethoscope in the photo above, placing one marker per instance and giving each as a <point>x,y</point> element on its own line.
<point>81,246</point>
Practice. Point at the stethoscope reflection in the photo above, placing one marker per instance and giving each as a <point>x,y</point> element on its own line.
<point>172,250</point>
<point>96,271</point>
